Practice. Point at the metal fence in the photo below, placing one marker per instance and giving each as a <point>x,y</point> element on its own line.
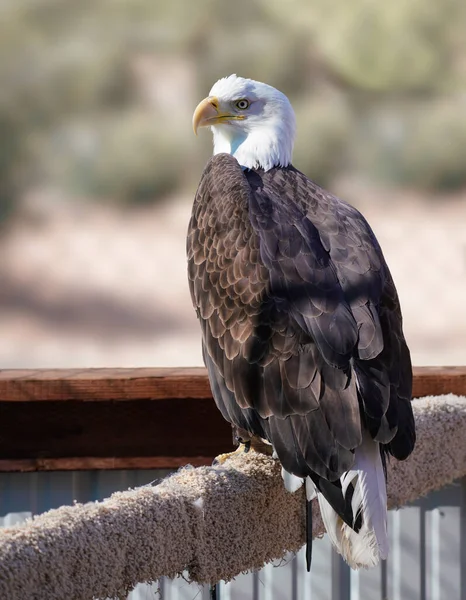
<point>427,559</point>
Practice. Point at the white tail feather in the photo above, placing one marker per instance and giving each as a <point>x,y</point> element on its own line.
<point>292,483</point>
<point>370,544</point>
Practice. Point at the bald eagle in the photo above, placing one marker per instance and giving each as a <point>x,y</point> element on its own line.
<point>301,324</point>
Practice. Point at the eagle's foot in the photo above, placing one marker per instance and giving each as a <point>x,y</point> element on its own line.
<point>243,448</point>
<point>254,443</point>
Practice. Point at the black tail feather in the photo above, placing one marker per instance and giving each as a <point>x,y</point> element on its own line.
<point>308,534</point>
<point>332,492</point>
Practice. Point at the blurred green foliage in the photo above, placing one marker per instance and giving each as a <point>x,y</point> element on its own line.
<point>385,47</point>
<point>96,96</point>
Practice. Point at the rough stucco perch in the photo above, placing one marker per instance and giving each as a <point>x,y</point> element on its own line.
<point>213,522</point>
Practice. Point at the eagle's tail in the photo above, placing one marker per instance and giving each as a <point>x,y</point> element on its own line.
<point>362,542</point>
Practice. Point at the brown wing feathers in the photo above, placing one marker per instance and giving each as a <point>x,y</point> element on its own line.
<point>294,298</point>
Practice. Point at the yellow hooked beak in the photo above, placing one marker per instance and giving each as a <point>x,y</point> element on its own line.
<point>208,113</point>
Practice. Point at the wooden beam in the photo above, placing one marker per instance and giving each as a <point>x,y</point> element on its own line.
<point>111,434</point>
<point>39,385</point>
<point>129,418</point>
<point>435,381</point>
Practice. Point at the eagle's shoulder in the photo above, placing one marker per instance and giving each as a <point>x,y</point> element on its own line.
<point>322,207</point>
<point>221,162</point>
<point>222,174</point>
<point>343,231</point>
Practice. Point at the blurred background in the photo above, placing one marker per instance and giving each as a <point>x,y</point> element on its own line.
<point>99,165</point>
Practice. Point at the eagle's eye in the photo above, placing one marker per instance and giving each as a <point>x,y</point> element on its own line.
<point>242,104</point>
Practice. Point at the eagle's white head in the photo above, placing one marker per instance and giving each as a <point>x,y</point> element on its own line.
<point>250,120</point>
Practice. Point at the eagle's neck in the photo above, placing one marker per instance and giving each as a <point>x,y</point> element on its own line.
<point>263,147</point>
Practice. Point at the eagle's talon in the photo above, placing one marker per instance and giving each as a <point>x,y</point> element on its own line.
<point>243,448</point>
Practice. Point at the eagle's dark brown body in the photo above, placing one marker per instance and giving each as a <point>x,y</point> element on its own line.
<point>301,324</point>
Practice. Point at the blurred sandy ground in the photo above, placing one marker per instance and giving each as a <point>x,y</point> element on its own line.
<point>100,287</point>
<point>98,163</point>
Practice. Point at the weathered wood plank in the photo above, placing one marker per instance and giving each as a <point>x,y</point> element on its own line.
<point>129,418</point>
<point>95,385</point>
<point>157,384</point>
<point>173,430</point>
<point>434,381</point>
